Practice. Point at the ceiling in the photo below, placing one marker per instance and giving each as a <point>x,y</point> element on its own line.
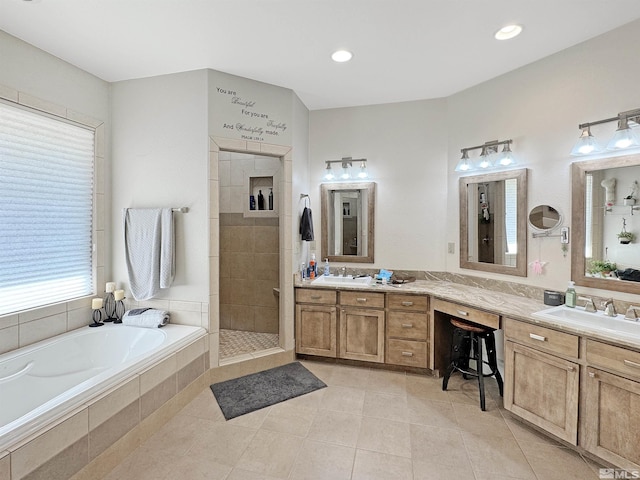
<point>403,49</point>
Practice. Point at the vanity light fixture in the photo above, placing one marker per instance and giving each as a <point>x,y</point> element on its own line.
<point>346,164</point>
<point>624,137</point>
<point>489,156</point>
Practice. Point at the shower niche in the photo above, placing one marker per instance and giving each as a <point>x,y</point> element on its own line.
<point>261,195</point>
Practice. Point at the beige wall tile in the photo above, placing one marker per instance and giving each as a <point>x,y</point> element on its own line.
<point>78,318</point>
<point>230,143</point>
<point>189,353</point>
<point>278,150</point>
<point>241,265</point>
<point>213,146</point>
<point>214,237</point>
<point>5,466</point>
<point>7,321</point>
<point>38,313</point>
<point>214,349</point>
<point>213,165</point>
<point>43,448</point>
<point>186,306</point>
<point>8,93</point>
<point>103,409</point>
<point>9,339</point>
<point>266,319</point>
<point>181,317</point>
<point>109,432</point>
<point>157,396</point>
<point>266,239</point>
<point>158,374</point>
<point>42,328</point>
<point>189,373</point>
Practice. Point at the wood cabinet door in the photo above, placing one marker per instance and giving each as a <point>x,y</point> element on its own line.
<point>362,334</point>
<point>611,420</point>
<point>316,327</point>
<point>542,389</point>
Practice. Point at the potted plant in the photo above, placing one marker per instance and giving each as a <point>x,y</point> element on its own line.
<point>625,237</point>
<point>602,267</point>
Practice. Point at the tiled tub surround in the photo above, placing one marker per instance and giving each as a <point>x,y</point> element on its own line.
<point>104,410</point>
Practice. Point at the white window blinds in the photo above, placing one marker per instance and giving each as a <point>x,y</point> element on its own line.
<point>46,205</point>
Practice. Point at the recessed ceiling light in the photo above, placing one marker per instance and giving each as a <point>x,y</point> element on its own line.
<point>341,56</point>
<point>510,31</point>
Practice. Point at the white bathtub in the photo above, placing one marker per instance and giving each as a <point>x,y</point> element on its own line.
<point>45,381</point>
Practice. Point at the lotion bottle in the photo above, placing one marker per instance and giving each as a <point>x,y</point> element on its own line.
<point>570,295</point>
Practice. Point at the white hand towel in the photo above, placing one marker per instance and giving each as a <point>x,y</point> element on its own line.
<point>149,250</point>
<point>146,317</point>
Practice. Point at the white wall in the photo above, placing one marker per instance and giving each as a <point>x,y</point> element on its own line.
<point>405,145</point>
<point>160,159</point>
<point>540,106</point>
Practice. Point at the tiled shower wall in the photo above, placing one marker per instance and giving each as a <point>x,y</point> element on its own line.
<point>249,248</point>
<point>249,273</point>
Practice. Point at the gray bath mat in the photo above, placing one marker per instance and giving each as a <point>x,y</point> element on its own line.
<point>258,390</point>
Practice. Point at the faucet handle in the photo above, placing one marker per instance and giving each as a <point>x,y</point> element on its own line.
<point>589,306</point>
<point>632,313</point>
<point>609,307</point>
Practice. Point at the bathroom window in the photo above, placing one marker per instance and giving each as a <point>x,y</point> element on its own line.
<point>46,209</point>
<point>511,214</point>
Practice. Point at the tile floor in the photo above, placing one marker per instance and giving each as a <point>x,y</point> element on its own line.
<point>367,424</point>
<point>234,343</point>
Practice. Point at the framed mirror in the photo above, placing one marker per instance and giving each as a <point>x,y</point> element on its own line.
<point>605,217</point>
<point>544,218</point>
<point>493,222</point>
<point>348,220</point>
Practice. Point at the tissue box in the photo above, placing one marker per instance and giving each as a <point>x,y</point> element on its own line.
<point>552,298</point>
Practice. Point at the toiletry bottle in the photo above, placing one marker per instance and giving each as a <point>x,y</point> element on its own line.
<point>260,200</point>
<point>570,295</point>
<point>312,266</point>
<point>327,271</point>
<point>271,199</point>
<point>252,202</point>
<point>303,271</point>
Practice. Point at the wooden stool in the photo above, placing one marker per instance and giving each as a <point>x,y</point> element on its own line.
<point>466,337</point>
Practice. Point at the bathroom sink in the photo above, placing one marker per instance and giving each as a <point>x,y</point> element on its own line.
<point>345,281</point>
<point>578,317</point>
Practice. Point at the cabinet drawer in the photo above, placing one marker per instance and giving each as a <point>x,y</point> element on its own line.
<point>362,299</point>
<point>411,303</point>
<point>541,338</point>
<point>619,359</point>
<point>407,325</point>
<point>406,352</point>
<point>308,295</point>
<point>467,313</point>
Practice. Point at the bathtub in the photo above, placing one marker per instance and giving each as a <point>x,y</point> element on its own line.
<point>43,382</point>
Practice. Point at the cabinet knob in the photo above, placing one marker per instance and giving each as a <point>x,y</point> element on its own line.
<point>592,374</point>
<point>407,354</point>
<point>407,325</point>
<point>407,304</point>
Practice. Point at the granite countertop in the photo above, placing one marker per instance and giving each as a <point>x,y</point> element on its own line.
<point>504,304</point>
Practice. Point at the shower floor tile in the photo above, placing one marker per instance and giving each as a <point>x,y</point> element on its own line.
<point>236,342</point>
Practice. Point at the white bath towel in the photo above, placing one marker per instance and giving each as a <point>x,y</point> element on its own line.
<point>149,250</point>
<point>146,317</point>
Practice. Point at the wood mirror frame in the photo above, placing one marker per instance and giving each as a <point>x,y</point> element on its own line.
<point>326,191</point>
<point>520,268</point>
<point>578,223</point>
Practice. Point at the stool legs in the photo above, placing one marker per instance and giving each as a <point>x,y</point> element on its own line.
<point>463,343</point>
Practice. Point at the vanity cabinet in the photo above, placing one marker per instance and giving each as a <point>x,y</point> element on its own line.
<point>542,375</point>
<point>362,320</point>
<point>611,418</point>
<point>316,322</point>
<point>407,330</point>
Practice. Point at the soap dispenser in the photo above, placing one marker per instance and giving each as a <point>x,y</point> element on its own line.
<point>327,270</point>
<point>570,295</point>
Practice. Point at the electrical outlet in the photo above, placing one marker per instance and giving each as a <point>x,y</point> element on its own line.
<point>451,247</point>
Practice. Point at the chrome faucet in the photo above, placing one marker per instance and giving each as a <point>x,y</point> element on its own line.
<point>589,306</point>
<point>632,313</point>
<point>343,271</point>
<point>609,308</point>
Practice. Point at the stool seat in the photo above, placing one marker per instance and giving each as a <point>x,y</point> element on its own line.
<point>469,336</point>
<point>469,327</point>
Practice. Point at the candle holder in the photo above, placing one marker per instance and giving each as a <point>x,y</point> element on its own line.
<point>119,311</point>
<point>109,307</point>
<point>97,316</point>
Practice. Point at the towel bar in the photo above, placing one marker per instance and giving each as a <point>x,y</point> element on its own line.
<point>181,209</point>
